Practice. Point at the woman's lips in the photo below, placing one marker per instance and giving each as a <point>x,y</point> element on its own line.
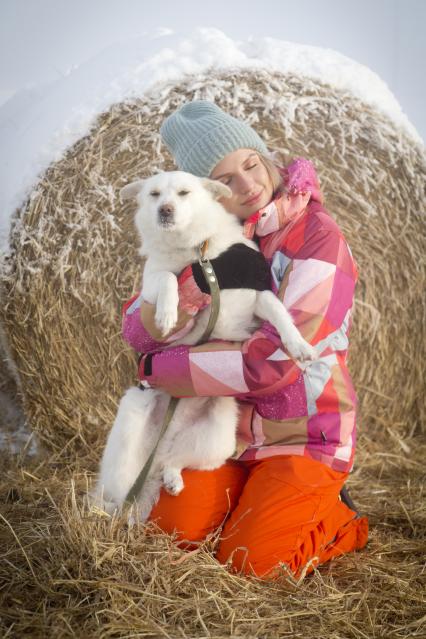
<point>253,199</point>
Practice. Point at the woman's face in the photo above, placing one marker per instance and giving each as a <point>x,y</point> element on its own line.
<point>248,179</point>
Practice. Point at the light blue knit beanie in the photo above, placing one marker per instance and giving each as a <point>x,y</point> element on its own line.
<point>199,135</point>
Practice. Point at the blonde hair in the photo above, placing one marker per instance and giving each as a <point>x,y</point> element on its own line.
<point>273,171</point>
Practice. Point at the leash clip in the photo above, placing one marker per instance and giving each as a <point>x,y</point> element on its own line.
<point>203,259</point>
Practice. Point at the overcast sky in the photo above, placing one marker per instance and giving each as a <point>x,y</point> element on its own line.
<point>40,40</point>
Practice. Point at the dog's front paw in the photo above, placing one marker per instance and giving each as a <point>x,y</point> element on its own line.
<point>165,319</point>
<point>302,350</point>
<point>172,480</point>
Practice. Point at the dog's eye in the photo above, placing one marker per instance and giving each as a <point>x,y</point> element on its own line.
<point>155,193</point>
<point>183,192</point>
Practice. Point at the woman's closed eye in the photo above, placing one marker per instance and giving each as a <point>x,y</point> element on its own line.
<point>228,180</point>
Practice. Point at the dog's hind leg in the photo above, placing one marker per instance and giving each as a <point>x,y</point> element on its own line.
<point>204,438</point>
<point>127,446</point>
<point>172,480</point>
<point>149,496</point>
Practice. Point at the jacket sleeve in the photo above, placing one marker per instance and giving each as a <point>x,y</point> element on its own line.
<point>138,317</point>
<point>316,284</point>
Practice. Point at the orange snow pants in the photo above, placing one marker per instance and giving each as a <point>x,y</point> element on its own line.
<point>280,510</point>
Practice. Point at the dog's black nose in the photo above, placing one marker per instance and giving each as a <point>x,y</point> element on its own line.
<point>166,209</point>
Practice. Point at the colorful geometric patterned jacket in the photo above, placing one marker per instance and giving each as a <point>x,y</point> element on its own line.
<point>285,407</point>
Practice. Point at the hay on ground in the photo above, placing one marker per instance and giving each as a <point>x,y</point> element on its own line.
<point>69,572</point>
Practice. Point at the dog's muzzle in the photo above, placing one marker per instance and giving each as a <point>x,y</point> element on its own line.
<point>166,215</point>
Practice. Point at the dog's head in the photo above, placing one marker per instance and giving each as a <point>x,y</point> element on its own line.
<point>173,201</point>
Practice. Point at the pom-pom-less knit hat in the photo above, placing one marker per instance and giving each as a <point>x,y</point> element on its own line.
<point>200,134</point>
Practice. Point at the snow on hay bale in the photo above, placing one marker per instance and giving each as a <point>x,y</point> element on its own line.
<point>73,258</point>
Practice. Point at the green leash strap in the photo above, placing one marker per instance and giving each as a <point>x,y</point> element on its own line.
<point>211,280</point>
<point>141,478</point>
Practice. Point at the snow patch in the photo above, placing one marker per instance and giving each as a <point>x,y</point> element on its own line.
<point>38,125</point>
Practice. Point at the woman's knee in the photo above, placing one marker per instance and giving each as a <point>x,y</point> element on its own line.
<point>266,563</point>
<point>204,503</point>
<point>296,551</point>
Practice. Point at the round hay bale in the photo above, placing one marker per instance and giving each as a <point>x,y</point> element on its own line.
<point>73,258</point>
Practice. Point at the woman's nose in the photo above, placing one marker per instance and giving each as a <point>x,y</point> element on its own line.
<point>245,184</point>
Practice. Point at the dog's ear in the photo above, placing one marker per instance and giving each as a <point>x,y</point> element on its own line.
<point>216,188</point>
<point>131,190</point>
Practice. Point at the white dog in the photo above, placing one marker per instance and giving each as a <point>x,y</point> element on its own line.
<point>177,212</point>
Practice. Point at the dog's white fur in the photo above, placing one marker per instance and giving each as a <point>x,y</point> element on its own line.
<point>176,213</point>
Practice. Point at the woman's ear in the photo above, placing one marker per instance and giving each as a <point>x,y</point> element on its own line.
<point>131,190</point>
<point>216,188</point>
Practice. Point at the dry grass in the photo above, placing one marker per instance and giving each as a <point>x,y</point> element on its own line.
<point>69,572</point>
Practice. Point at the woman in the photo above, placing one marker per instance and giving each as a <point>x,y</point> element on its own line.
<point>279,497</point>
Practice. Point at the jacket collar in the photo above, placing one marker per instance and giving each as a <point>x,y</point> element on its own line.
<point>301,185</point>
<point>277,214</point>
